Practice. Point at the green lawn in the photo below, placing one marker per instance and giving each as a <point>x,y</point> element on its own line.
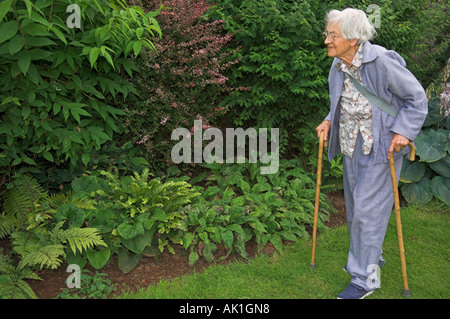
<point>287,275</point>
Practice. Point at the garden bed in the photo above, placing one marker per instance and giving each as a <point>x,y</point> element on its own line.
<point>151,271</point>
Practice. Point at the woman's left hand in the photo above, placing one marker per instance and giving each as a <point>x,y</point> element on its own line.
<point>398,143</point>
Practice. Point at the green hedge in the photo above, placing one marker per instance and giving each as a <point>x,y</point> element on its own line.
<point>61,83</point>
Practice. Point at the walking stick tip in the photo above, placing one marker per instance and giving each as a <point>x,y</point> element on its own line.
<point>313,266</point>
<point>406,293</point>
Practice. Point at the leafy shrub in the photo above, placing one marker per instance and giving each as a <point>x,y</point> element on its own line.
<point>283,60</point>
<point>429,176</point>
<point>60,85</point>
<point>181,81</point>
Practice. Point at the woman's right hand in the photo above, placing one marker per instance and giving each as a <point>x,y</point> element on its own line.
<point>325,127</point>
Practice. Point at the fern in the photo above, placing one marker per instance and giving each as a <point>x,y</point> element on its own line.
<point>48,249</point>
<point>25,242</point>
<point>8,224</point>
<point>24,196</point>
<point>27,203</point>
<point>45,256</point>
<point>12,285</point>
<point>80,239</point>
<point>56,200</point>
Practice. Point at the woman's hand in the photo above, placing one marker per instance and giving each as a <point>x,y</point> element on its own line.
<point>398,142</point>
<point>325,127</point>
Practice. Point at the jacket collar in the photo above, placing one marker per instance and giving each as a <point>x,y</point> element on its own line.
<point>369,54</point>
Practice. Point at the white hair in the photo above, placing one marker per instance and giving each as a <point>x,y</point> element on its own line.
<point>353,24</point>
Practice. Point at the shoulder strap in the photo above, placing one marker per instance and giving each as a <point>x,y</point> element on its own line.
<point>374,99</point>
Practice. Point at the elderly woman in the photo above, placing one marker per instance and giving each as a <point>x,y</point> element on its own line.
<point>367,136</point>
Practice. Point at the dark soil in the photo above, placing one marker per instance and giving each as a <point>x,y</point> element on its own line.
<point>150,270</point>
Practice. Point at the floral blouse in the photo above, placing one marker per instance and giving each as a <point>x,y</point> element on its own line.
<point>356,111</point>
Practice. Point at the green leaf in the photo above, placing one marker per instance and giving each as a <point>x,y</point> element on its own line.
<point>412,171</point>
<point>26,111</point>
<point>277,242</point>
<point>16,44</point>
<point>48,156</point>
<point>85,158</point>
<point>431,145</point>
<point>28,160</point>
<point>440,190</point>
<point>442,166</point>
<point>93,55</point>
<point>288,235</point>
<point>98,258</point>
<point>66,112</point>
<point>87,184</point>
<point>128,260</point>
<point>418,193</point>
<point>17,161</point>
<point>71,214</point>
<point>237,228</point>
<point>193,258</point>
<point>244,186</point>
<point>187,239</point>
<point>137,46</point>
<point>59,34</point>
<point>137,244</point>
<point>108,58</point>
<point>159,215</point>
<point>8,30</point>
<point>39,54</point>
<point>129,231</point>
<point>5,5</point>
<point>24,61</point>
<point>258,226</point>
<point>227,237</point>
<point>78,259</point>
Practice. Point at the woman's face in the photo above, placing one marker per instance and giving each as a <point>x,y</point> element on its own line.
<point>338,46</point>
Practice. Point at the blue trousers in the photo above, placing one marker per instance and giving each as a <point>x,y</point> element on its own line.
<point>369,201</point>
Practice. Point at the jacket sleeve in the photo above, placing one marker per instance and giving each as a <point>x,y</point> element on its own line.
<point>403,84</point>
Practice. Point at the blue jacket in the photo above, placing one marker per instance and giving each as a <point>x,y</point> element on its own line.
<point>384,74</point>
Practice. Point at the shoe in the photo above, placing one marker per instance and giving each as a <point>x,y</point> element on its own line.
<point>354,292</point>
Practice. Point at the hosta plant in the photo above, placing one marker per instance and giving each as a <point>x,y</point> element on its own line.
<point>429,176</point>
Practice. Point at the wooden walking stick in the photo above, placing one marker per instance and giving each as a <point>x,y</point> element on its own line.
<point>406,291</point>
<point>316,206</point>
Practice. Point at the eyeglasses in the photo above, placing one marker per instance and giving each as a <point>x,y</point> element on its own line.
<point>332,35</point>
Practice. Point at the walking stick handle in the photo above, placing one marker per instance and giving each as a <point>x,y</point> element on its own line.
<point>325,142</point>
<point>412,154</point>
